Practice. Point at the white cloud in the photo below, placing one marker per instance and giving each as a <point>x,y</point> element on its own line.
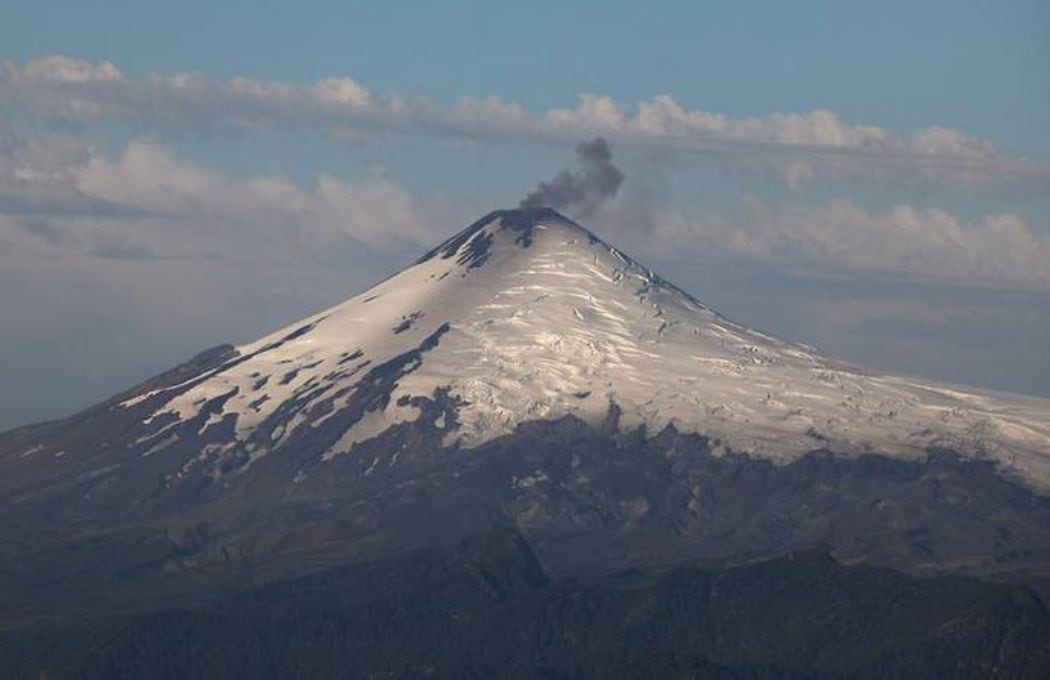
<point>799,148</point>
<point>61,196</point>
<point>343,91</point>
<point>61,69</point>
<point>931,243</point>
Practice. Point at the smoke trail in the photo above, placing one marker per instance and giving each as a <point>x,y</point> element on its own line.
<point>580,193</point>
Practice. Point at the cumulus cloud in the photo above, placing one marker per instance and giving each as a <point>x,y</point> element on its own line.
<point>798,148</point>
<point>61,196</point>
<point>580,193</point>
<point>922,243</point>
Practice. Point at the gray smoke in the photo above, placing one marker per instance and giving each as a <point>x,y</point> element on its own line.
<point>580,193</point>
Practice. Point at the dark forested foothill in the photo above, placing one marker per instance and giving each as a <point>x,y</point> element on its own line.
<point>485,608</point>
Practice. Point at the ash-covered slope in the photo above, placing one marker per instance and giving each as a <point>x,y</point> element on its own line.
<point>526,315</point>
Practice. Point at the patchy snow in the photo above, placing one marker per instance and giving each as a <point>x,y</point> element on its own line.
<point>161,445</point>
<point>545,320</point>
<point>32,450</point>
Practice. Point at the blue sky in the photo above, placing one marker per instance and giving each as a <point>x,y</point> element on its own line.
<point>873,178</point>
<point>977,65</point>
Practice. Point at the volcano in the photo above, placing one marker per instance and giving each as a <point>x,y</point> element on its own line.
<point>523,376</point>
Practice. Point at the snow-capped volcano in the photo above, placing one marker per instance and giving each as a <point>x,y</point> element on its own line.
<point>523,374</point>
<point>527,316</point>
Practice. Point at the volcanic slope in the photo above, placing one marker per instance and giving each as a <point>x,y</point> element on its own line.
<point>526,374</point>
<point>525,316</point>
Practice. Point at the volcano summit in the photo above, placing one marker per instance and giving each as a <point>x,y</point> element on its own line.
<point>528,376</point>
<point>528,316</point>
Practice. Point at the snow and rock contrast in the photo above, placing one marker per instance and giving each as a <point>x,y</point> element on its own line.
<point>525,375</point>
<point>527,316</point>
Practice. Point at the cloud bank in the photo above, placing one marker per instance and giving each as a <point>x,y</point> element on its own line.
<point>60,197</point>
<point>841,236</point>
<point>797,148</point>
